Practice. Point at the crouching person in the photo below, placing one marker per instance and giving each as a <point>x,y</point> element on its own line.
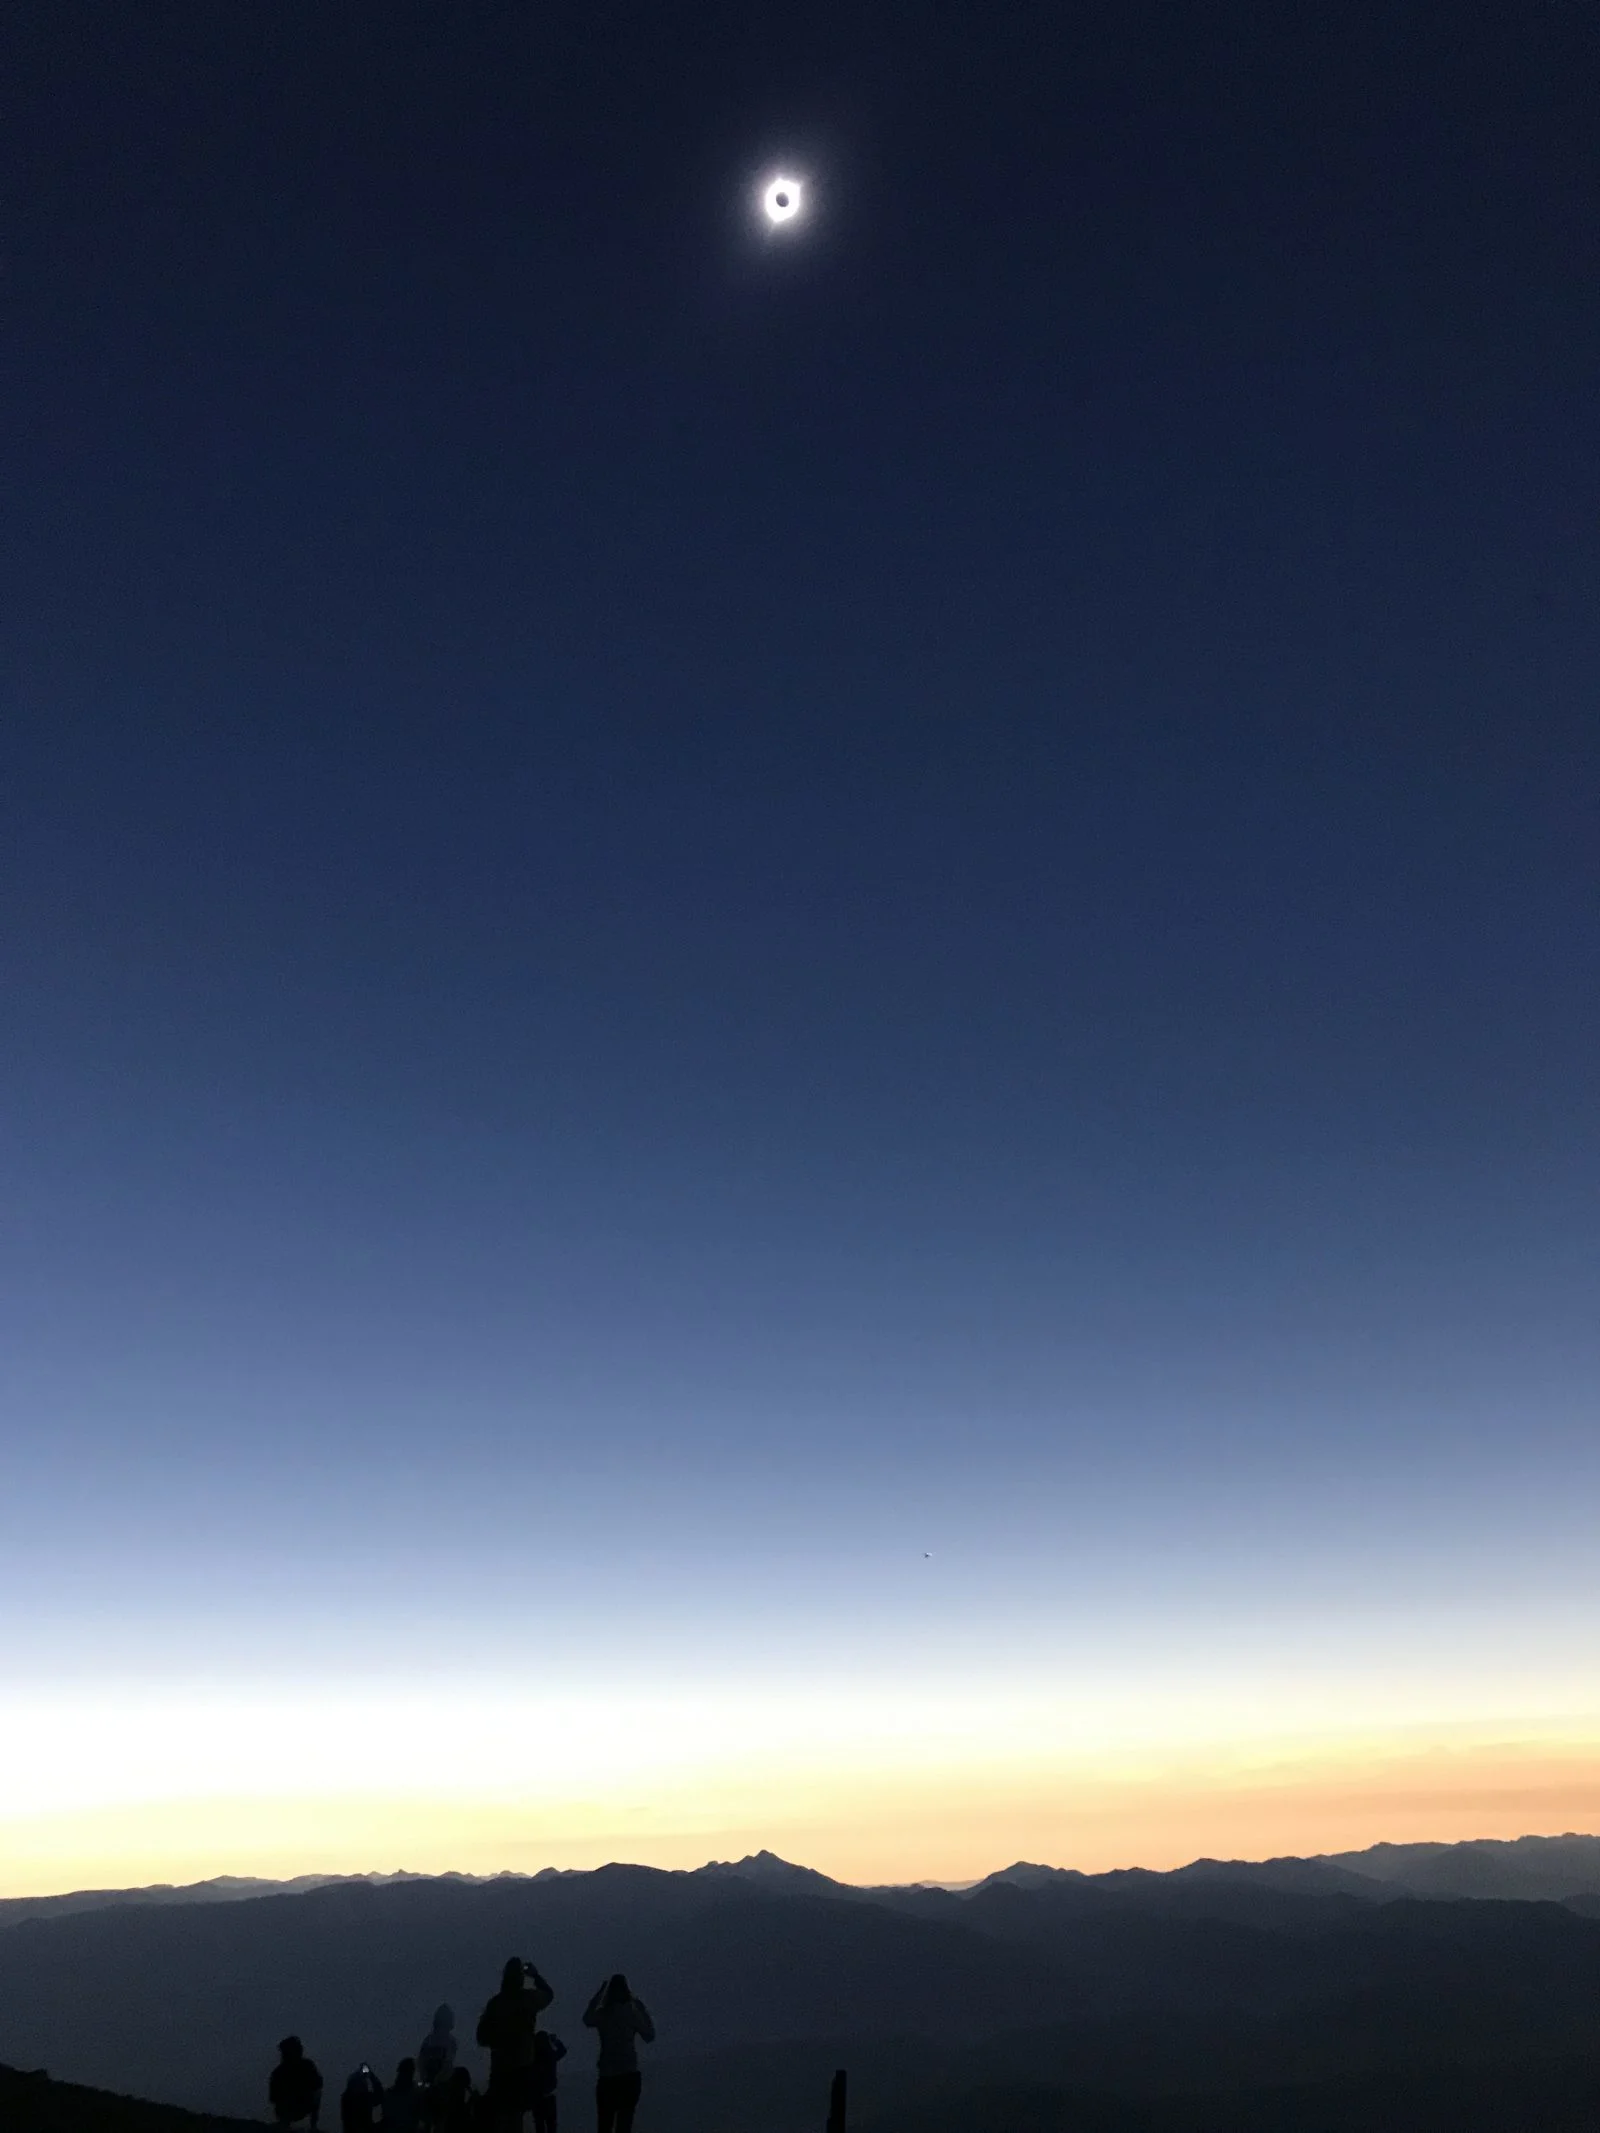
<point>294,2090</point>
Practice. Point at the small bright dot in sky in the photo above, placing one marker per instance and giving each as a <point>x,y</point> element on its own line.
<point>781,200</point>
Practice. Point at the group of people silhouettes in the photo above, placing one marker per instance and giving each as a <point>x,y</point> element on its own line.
<point>432,2094</point>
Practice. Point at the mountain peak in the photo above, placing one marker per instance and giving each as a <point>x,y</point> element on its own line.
<point>767,1867</point>
<point>1029,1874</point>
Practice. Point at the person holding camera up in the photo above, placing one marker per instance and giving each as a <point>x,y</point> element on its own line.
<point>508,2027</point>
<point>620,2020</point>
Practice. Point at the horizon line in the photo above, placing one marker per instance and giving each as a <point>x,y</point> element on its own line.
<point>308,1882</point>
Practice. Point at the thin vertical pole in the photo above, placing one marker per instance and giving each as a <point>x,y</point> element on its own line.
<point>836,2102</point>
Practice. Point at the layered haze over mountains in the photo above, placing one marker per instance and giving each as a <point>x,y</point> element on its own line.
<point>1557,1868</point>
<point>1404,1985</point>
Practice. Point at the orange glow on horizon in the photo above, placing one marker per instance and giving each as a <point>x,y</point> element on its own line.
<point>875,1827</point>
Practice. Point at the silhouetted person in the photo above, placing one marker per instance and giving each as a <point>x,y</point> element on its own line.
<point>436,2057</point>
<point>548,2053</point>
<point>402,2100</point>
<point>361,2105</point>
<point>436,2061</point>
<point>295,2087</point>
<point>620,2020</point>
<point>458,2103</point>
<point>508,2027</point>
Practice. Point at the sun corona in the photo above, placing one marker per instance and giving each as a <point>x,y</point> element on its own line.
<point>782,199</point>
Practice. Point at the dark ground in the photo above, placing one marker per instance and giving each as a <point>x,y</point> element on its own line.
<point>31,2103</point>
<point>1560,2096</point>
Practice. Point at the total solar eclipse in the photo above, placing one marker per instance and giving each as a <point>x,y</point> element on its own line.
<point>782,199</point>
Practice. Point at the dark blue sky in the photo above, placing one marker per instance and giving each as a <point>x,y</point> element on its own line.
<point>687,906</point>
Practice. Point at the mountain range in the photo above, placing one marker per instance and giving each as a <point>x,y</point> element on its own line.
<point>1553,1869</point>
<point>1036,1998</point>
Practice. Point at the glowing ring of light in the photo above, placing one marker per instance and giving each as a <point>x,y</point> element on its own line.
<point>781,200</point>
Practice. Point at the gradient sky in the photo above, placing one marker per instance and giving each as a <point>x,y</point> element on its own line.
<point>797,1040</point>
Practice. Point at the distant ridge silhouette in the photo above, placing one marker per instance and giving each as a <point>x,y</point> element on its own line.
<point>766,1978</point>
<point>1529,1869</point>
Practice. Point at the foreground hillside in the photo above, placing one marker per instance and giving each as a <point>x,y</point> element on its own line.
<point>31,2103</point>
<point>1535,2097</point>
<point>1146,1994</point>
<point>1551,2096</point>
